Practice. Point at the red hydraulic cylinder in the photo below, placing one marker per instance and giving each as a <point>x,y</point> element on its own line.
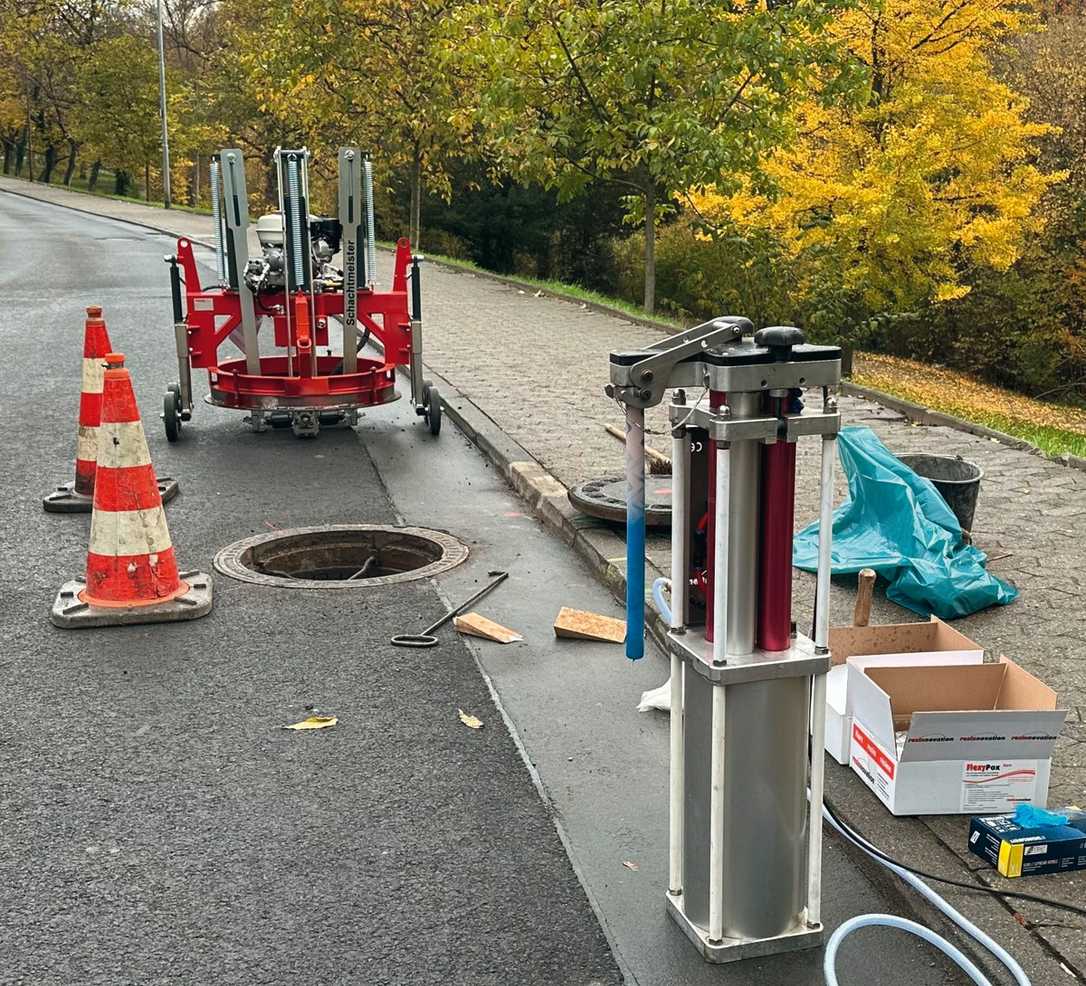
<point>778,517</point>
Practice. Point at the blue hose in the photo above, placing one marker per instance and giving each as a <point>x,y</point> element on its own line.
<point>635,533</point>
<point>662,606</point>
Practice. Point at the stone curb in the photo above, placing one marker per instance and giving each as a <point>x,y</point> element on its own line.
<point>926,416</point>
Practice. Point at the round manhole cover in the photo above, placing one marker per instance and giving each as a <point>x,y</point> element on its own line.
<point>606,499</point>
<point>341,556</point>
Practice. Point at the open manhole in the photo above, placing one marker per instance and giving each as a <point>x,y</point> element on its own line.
<point>341,556</point>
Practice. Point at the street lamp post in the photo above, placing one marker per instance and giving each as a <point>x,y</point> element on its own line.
<point>162,109</point>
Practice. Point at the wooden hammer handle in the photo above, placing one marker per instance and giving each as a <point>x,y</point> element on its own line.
<point>865,586</point>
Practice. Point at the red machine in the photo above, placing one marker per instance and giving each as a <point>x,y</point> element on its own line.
<point>305,374</point>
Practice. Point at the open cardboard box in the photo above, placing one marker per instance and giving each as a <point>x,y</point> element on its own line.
<point>934,740</point>
<point>888,645</point>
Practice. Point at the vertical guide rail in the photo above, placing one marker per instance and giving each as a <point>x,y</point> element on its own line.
<point>818,684</point>
<point>236,201</point>
<point>217,217</point>
<point>180,336</point>
<point>720,655</point>
<point>680,478</point>
<point>635,533</point>
<point>371,231</point>
<point>350,218</point>
<point>721,553</point>
<point>417,387</point>
<point>716,818</point>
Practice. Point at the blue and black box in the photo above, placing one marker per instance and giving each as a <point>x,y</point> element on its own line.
<point>1023,850</point>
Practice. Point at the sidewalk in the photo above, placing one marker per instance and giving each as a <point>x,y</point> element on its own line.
<point>524,377</point>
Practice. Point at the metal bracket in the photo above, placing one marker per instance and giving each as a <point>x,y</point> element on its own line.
<point>814,423</point>
<point>639,378</point>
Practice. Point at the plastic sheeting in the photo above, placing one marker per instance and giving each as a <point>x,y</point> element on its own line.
<point>898,524</point>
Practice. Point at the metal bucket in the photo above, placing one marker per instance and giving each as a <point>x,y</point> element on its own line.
<point>955,478</point>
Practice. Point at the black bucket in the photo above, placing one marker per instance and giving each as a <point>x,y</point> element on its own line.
<point>955,478</point>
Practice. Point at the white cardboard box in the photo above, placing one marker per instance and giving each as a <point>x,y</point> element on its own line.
<point>888,645</point>
<point>971,739</point>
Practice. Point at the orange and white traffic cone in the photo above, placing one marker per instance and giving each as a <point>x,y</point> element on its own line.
<point>78,496</point>
<point>132,574</point>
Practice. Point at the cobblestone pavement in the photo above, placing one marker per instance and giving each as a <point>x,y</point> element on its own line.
<point>537,367</point>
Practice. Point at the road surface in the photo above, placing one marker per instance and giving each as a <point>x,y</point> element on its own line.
<point>159,826</point>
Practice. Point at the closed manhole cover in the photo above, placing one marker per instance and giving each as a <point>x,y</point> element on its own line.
<point>341,556</point>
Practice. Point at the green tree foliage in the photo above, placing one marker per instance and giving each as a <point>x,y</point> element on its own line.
<point>655,97</point>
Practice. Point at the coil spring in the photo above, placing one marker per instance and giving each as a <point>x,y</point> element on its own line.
<point>296,225</point>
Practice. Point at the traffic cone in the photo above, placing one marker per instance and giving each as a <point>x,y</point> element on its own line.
<point>132,574</point>
<point>78,496</point>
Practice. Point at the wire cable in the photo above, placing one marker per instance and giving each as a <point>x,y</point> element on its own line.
<point>933,898</point>
<point>874,850</point>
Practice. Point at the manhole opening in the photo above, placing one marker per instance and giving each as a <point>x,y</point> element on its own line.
<point>336,555</point>
<point>341,556</point>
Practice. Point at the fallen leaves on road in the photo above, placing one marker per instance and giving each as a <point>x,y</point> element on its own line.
<point>630,865</point>
<point>314,722</point>
<point>469,720</point>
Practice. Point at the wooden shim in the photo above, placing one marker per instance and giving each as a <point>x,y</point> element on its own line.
<point>578,624</point>
<point>480,626</point>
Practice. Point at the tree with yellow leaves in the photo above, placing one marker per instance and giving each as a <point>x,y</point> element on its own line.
<point>890,202</point>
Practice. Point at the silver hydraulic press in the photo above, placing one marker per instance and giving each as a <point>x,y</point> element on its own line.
<point>748,692</point>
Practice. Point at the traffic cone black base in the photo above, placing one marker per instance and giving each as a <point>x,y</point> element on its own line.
<point>71,612</point>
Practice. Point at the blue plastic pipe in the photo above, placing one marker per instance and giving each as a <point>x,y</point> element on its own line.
<point>635,533</point>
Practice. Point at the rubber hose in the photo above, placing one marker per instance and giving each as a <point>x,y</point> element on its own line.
<point>829,961</point>
<point>662,606</point>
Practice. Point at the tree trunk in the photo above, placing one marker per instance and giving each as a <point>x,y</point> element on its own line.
<point>9,150</point>
<point>20,154</point>
<point>147,182</point>
<point>195,194</point>
<point>73,149</point>
<point>415,220</point>
<point>122,182</point>
<point>46,175</point>
<point>92,178</point>
<point>650,249</point>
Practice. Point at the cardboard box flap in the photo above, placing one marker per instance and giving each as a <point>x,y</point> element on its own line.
<point>953,712</point>
<point>899,638</point>
<point>1021,690</point>
<point>870,705</point>
<point>1007,734</point>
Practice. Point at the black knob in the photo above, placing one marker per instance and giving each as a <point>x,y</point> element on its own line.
<point>779,340</point>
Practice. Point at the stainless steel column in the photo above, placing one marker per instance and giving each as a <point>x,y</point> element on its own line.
<point>765,809</point>
<point>743,512</point>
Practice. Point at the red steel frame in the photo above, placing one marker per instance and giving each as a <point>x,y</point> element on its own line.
<point>212,314</point>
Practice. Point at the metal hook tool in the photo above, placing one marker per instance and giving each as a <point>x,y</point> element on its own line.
<point>426,638</point>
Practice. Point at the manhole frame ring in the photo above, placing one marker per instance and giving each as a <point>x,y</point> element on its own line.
<point>228,562</point>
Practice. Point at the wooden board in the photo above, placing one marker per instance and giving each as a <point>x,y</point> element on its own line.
<point>579,624</point>
<point>480,626</point>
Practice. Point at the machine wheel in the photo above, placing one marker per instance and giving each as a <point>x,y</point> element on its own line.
<point>171,412</point>
<point>185,414</point>
<point>432,407</point>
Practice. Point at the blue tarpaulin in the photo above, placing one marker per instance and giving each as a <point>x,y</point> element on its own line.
<point>898,524</point>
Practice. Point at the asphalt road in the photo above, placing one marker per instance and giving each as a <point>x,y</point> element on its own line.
<point>158,825</point>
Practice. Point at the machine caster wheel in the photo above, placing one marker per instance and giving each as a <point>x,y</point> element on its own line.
<point>171,412</point>
<point>432,407</point>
